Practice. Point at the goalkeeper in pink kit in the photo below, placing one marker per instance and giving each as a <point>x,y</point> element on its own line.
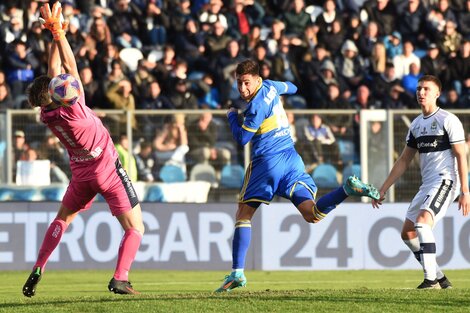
<point>93,160</point>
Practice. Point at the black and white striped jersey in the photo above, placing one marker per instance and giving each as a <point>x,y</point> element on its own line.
<point>433,136</point>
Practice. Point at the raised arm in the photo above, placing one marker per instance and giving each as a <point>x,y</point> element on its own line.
<point>54,63</point>
<point>52,21</point>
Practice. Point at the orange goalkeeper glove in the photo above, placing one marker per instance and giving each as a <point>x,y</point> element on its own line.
<point>53,21</point>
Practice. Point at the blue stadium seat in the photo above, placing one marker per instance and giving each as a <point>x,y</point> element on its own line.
<point>154,193</point>
<point>346,151</point>
<point>203,172</point>
<point>172,174</point>
<point>53,193</point>
<point>232,176</point>
<point>351,169</point>
<point>324,176</point>
<point>5,193</point>
<point>27,194</point>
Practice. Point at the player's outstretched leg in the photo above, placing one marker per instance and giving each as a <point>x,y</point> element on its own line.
<point>355,187</point>
<point>232,281</point>
<point>29,288</point>
<point>122,287</point>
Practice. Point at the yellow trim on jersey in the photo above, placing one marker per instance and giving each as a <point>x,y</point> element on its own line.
<point>303,184</point>
<point>268,125</point>
<point>251,130</point>
<point>245,182</point>
<point>255,200</point>
<point>243,223</point>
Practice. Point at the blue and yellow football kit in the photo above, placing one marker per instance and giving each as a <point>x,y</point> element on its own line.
<point>276,167</point>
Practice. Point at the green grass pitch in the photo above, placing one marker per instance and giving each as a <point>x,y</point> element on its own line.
<point>191,291</point>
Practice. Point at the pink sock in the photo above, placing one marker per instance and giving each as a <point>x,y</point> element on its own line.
<point>129,246</point>
<point>50,242</point>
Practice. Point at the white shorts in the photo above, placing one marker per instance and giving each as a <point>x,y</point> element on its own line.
<point>435,198</point>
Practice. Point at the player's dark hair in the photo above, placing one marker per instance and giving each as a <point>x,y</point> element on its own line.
<point>38,93</point>
<point>431,78</point>
<point>247,67</point>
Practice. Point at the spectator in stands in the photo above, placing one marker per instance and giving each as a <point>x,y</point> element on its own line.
<point>202,137</point>
<point>369,39</point>
<point>393,45</point>
<point>120,97</point>
<point>141,81</point>
<point>433,63</point>
<point>94,94</point>
<point>225,68</point>
<point>335,38</point>
<point>217,40</point>
<point>274,37</point>
<point>154,100</point>
<point>458,71</point>
<point>339,124</point>
<point>354,28</point>
<point>377,61</point>
<point>395,98</point>
<point>463,18</point>
<point>127,24</point>
<point>190,43</point>
<point>75,37</point>
<point>20,66</point>
<point>284,64</point>
<point>239,23</point>
<point>410,81</point>
<point>208,96</point>
<point>382,83</point>
<point>124,150</point>
<point>350,65</point>
<point>321,142</point>
<point>450,39</point>
<point>37,41</point>
<point>412,22</point>
<point>182,97</point>
<point>296,19</point>
<point>325,20</point>
<point>171,143</point>
<point>178,17</point>
<point>212,14</point>
<point>158,23</point>
<point>162,69</point>
<point>6,100</point>
<point>97,41</point>
<point>146,163</point>
<point>403,61</point>
<point>383,12</point>
<point>20,146</point>
<point>452,101</point>
<point>317,91</point>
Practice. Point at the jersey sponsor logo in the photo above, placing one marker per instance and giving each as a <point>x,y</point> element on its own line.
<point>82,155</point>
<point>426,144</point>
<point>282,133</point>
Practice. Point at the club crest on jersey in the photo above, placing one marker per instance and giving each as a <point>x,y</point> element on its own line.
<point>434,126</point>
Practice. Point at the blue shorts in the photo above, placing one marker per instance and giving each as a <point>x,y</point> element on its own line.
<point>279,174</point>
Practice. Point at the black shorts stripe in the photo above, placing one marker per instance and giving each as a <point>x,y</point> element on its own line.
<point>441,196</point>
<point>126,182</point>
<point>428,247</point>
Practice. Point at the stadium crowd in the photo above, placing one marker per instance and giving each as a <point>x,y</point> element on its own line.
<point>341,54</point>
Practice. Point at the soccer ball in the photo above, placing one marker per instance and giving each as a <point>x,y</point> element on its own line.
<point>64,90</point>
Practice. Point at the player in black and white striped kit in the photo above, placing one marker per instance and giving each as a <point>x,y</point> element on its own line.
<point>438,136</point>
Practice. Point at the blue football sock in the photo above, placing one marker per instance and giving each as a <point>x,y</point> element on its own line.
<point>241,243</point>
<point>328,202</point>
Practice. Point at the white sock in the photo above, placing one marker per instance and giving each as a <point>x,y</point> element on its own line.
<point>427,250</point>
<point>414,246</point>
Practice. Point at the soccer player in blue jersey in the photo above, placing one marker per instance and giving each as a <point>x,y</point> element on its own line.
<point>276,168</point>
